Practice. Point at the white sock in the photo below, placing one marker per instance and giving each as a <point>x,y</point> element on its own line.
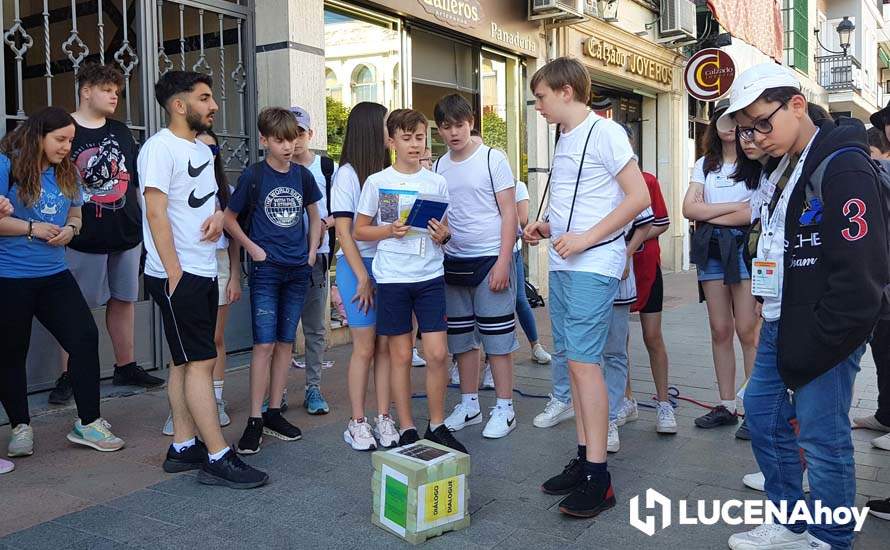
<point>729,404</point>
<point>218,388</point>
<point>505,404</point>
<point>216,456</point>
<point>179,447</point>
<point>403,430</point>
<point>470,400</point>
<point>434,427</point>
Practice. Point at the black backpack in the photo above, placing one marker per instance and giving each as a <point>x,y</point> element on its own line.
<point>255,178</point>
<point>814,193</point>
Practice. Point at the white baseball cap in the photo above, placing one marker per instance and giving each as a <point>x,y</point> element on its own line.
<point>750,85</point>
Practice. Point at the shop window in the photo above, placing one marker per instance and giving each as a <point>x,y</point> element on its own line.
<point>501,105</point>
<point>364,88</point>
<point>332,86</point>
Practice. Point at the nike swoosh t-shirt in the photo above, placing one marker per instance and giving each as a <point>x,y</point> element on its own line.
<point>182,170</point>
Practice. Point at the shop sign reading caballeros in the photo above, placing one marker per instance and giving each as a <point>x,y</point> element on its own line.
<point>633,63</point>
<point>462,13</point>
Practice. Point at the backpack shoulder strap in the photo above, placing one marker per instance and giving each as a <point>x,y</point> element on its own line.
<point>580,169</point>
<point>491,180</point>
<point>814,185</point>
<point>327,169</point>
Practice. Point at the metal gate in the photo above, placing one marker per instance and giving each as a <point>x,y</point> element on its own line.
<point>46,42</point>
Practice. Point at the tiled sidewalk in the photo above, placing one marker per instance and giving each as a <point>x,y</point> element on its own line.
<point>320,496</point>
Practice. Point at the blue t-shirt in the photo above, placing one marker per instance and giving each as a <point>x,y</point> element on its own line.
<point>277,221</point>
<point>19,257</point>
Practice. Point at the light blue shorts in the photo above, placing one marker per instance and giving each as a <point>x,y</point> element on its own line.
<point>580,313</point>
<point>347,283</point>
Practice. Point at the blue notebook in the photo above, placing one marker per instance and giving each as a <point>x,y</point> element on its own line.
<point>425,208</point>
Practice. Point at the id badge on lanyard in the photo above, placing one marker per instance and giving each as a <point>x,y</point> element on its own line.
<point>766,268</point>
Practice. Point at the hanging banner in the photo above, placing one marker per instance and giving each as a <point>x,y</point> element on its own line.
<point>757,22</point>
<point>709,74</point>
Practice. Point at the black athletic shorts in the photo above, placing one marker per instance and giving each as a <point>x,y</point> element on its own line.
<point>189,316</point>
<point>656,295</point>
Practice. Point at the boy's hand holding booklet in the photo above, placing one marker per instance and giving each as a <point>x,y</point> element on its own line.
<point>425,208</point>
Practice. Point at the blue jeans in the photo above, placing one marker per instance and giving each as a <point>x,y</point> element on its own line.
<point>277,294</point>
<point>821,408</point>
<point>615,364</point>
<point>523,310</point>
<point>580,315</point>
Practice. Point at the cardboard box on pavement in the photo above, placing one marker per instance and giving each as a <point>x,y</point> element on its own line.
<point>420,490</point>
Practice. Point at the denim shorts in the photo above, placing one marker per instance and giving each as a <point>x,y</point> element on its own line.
<point>277,293</point>
<point>396,302</point>
<point>713,270</point>
<point>347,283</point>
<point>580,313</point>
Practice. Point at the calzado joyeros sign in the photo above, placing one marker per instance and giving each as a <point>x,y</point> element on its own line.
<point>709,74</point>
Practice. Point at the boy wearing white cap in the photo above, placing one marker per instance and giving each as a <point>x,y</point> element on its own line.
<point>819,269</point>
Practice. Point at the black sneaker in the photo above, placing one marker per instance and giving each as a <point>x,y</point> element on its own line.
<point>251,438</point>
<point>189,459</point>
<point>277,426</point>
<point>232,472</point>
<point>719,416</point>
<point>589,499</point>
<point>410,436</point>
<point>443,436</point>
<point>879,508</point>
<point>565,483</point>
<point>63,392</point>
<point>134,375</point>
<point>742,432</point>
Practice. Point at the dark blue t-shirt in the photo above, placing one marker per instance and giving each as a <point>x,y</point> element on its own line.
<point>277,221</point>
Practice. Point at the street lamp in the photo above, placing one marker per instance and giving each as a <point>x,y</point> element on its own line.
<point>844,32</point>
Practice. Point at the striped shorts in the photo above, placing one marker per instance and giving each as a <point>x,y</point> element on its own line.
<point>477,314</point>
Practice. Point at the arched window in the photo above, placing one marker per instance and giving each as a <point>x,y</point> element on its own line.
<point>364,87</point>
<point>332,87</point>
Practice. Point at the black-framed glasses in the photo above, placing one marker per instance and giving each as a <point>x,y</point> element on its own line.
<point>214,149</point>
<point>762,126</point>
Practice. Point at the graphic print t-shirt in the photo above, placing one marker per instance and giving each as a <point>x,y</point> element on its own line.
<point>106,160</point>
<point>22,258</point>
<point>277,221</point>
<point>182,170</point>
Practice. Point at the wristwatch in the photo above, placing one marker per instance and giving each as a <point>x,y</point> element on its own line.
<point>446,239</point>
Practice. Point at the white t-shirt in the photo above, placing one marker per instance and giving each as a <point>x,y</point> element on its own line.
<point>386,196</point>
<point>473,215</point>
<point>322,204</point>
<point>772,235</point>
<point>608,152</point>
<point>183,170</point>
<point>627,288</point>
<point>223,242</point>
<point>521,195</point>
<point>345,192</point>
<point>719,186</point>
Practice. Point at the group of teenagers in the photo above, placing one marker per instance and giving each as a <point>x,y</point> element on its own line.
<point>789,234</point>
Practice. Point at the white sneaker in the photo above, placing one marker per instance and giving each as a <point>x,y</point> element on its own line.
<point>21,441</point>
<point>487,378</point>
<point>628,412</point>
<point>417,360</point>
<point>454,373</point>
<point>540,355</point>
<point>870,423</point>
<point>501,422</point>
<point>756,481</point>
<point>882,442</point>
<point>665,422</point>
<point>385,431</point>
<point>554,412</point>
<point>816,544</point>
<point>168,425</point>
<point>613,444</point>
<point>463,416</point>
<point>769,536</point>
<point>358,435</point>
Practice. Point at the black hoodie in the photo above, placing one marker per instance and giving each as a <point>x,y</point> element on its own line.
<point>835,272</point>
